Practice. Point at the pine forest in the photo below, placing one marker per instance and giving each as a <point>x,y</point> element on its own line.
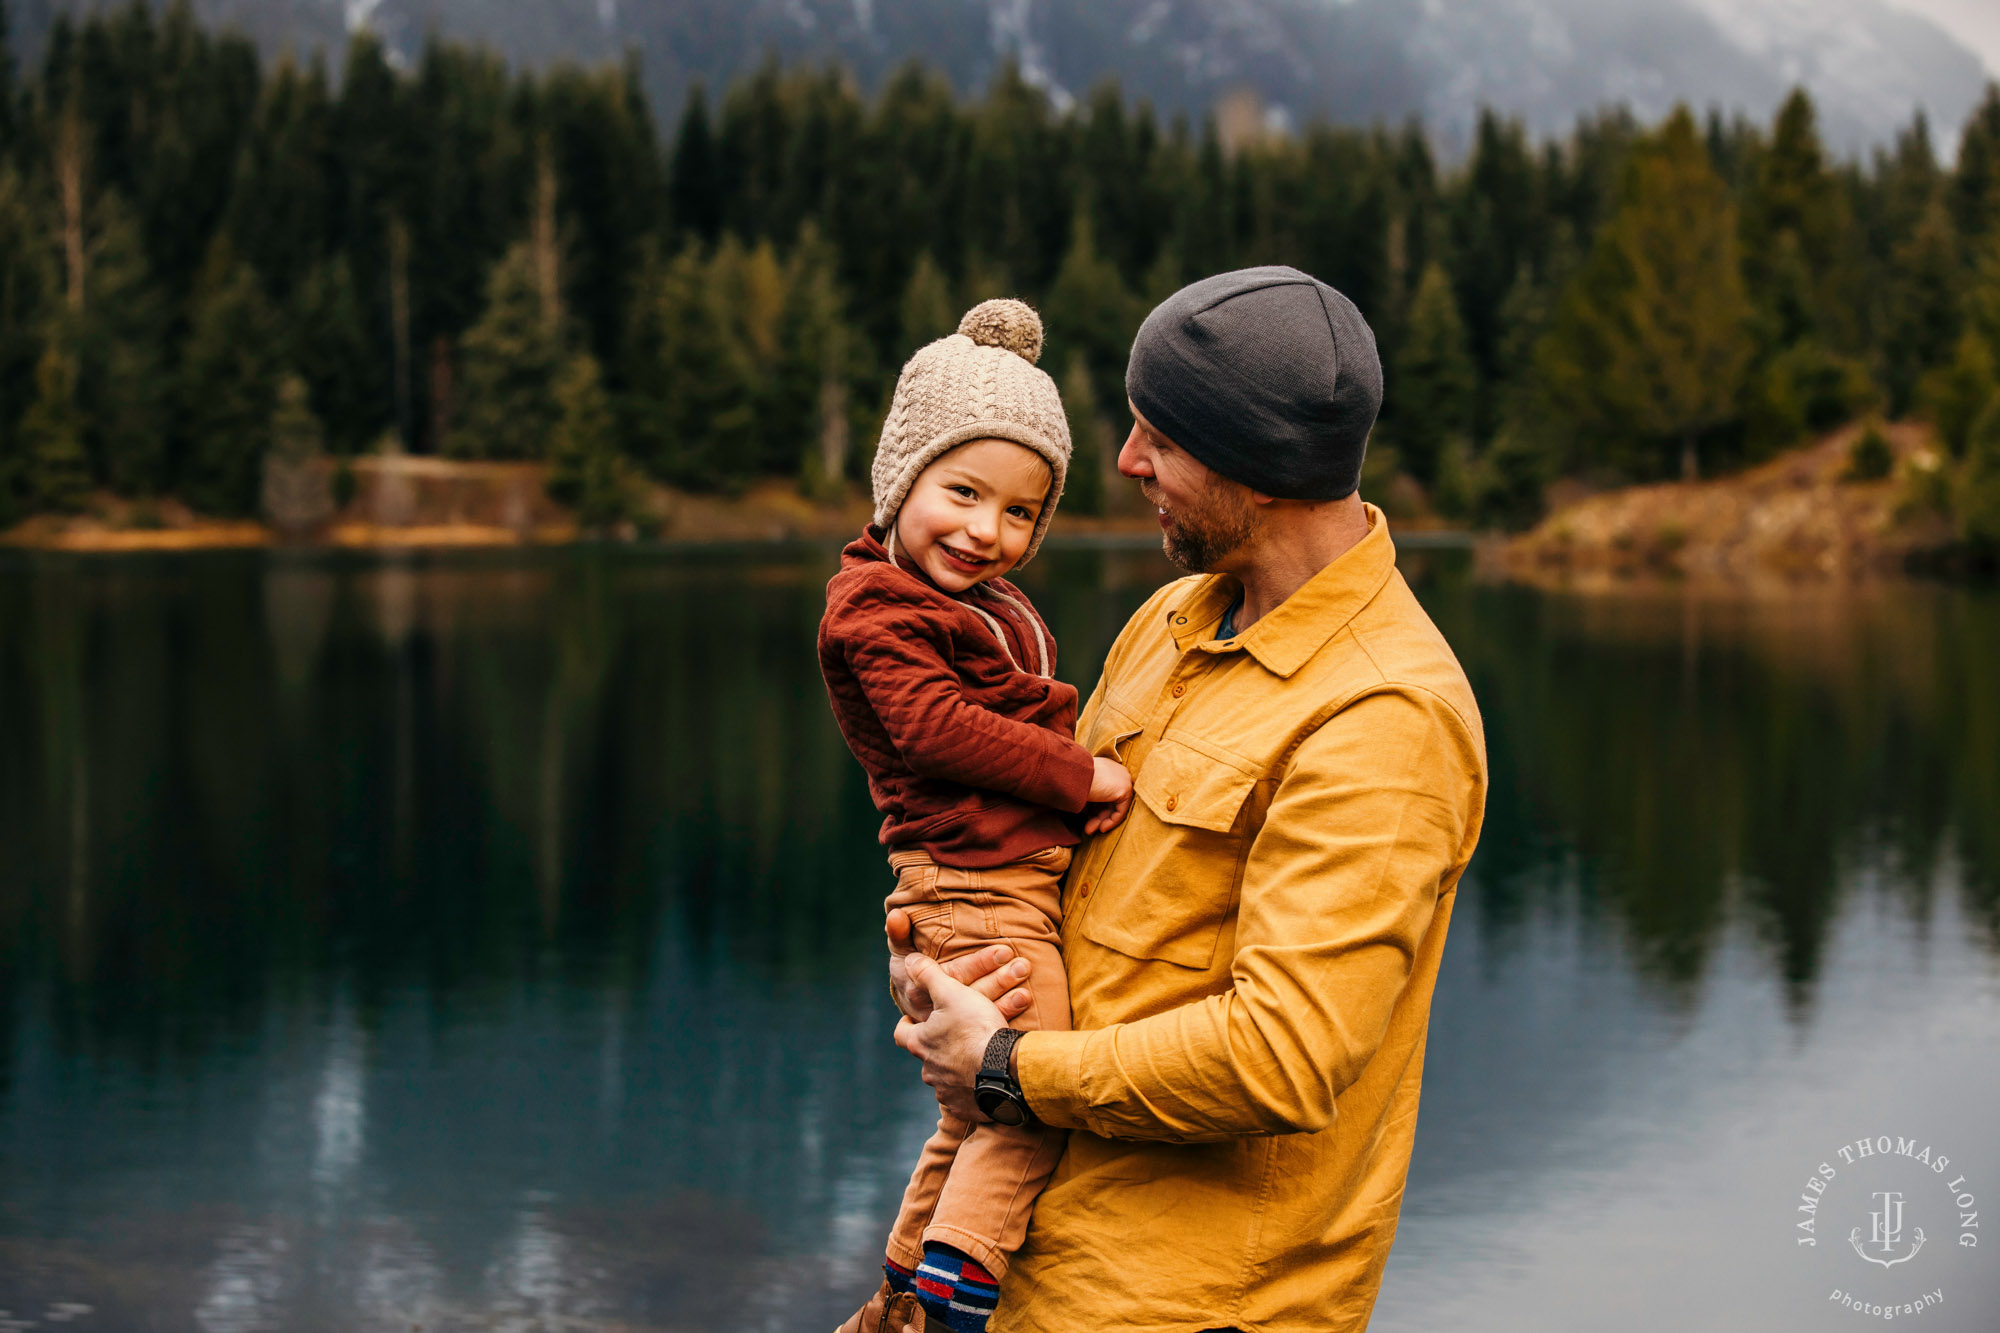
<point>208,261</point>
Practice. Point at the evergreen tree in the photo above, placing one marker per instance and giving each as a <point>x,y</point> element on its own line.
<point>1090,311</point>
<point>1926,278</point>
<point>227,387</point>
<point>344,368</point>
<point>191,103</point>
<point>1651,346</point>
<point>1083,490</point>
<point>27,292</point>
<point>694,189</point>
<point>585,470</point>
<point>297,491</point>
<point>7,93</point>
<point>123,343</point>
<point>1014,149</point>
<point>596,134</point>
<point>1434,381</point>
<point>1975,196</point>
<point>1499,223</point>
<point>1957,394</point>
<point>1802,390</point>
<point>1796,235</point>
<point>1978,500</point>
<point>1982,304</point>
<point>1509,481</point>
<point>56,469</point>
<point>1166,275</point>
<point>811,418</point>
<point>373,161</point>
<point>281,207</point>
<point>512,357</point>
<point>928,311</point>
<point>694,398</point>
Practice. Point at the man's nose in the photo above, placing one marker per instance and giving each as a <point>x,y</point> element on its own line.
<point>1134,458</point>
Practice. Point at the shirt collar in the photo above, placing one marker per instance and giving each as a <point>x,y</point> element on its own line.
<point>1290,633</point>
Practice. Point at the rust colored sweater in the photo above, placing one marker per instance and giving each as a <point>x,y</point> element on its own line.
<point>969,756</point>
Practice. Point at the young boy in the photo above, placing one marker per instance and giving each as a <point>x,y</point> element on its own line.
<point>941,675</point>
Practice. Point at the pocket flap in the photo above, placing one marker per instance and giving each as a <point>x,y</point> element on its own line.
<point>1109,729</point>
<point>1193,787</point>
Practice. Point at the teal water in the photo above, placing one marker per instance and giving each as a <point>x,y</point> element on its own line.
<point>492,942</point>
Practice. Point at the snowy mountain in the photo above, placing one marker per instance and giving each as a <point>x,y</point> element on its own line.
<point>1868,64</point>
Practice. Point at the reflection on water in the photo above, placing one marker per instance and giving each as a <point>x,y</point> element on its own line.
<point>492,943</point>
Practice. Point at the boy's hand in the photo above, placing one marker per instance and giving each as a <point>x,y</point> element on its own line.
<point>1110,796</point>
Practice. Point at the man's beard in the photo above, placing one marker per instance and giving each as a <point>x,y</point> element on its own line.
<point>1206,532</point>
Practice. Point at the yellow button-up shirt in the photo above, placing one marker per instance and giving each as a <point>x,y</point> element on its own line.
<point>1251,959</point>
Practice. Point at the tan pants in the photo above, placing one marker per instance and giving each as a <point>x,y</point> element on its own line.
<point>975,1185</point>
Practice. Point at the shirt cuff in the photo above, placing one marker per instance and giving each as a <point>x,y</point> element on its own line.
<point>1049,1066</point>
<point>1065,777</point>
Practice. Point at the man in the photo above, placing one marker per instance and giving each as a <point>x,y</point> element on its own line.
<point>1252,953</point>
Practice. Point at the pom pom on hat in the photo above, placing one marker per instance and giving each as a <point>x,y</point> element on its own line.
<point>1006,323</point>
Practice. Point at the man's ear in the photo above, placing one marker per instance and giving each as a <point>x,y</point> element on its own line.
<point>1262,498</point>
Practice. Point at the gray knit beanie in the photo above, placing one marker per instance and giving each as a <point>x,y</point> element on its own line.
<point>977,384</point>
<point>1266,375</point>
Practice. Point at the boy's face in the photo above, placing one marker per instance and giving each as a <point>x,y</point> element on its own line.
<point>970,514</point>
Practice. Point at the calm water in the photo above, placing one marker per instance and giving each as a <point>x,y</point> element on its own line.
<point>493,943</point>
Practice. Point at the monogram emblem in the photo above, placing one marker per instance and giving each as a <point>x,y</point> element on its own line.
<point>1886,1232</point>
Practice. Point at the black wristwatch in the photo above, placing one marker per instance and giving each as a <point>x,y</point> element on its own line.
<point>997,1091</point>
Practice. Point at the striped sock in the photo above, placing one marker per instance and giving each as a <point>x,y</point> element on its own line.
<point>956,1293</point>
<point>901,1279</point>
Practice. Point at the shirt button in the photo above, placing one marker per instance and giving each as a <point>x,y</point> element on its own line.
<point>1179,690</point>
<point>1084,889</point>
<point>1173,802</point>
<point>1180,620</point>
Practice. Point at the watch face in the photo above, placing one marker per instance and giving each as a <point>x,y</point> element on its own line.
<point>999,1106</point>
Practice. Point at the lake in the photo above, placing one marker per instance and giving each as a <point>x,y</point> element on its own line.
<point>493,942</point>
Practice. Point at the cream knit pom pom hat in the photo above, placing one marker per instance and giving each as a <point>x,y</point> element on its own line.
<point>980,383</point>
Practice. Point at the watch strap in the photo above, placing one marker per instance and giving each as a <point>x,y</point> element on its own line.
<point>998,1060</point>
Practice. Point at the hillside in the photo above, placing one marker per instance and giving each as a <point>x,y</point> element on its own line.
<point>1799,516</point>
<point>1869,63</point>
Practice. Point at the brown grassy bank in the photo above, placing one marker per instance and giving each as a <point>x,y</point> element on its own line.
<point>1802,517</point>
<point>415,502</point>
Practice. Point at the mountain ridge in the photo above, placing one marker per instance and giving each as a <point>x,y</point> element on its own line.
<point>1869,66</point>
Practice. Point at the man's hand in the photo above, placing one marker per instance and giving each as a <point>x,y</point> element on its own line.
<point>1110,796</point>
<point>952,1040</point>
<point>988,971</point>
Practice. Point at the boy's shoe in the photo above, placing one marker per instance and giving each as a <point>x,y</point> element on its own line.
<point>887,1311</point>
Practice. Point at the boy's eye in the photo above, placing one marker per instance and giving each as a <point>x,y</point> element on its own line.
<point>1020,512</point>
<point>965,491</point>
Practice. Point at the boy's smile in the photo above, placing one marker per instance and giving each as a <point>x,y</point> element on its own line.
<point>970,515</point>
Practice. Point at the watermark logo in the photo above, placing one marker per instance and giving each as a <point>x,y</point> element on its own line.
<point>1885,1220</point>
<point>1888,1197</point>
<point>1886,1232</point>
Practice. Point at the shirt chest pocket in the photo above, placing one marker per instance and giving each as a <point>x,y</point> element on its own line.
<point>1171,880</point>
<point>1109,727</point>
